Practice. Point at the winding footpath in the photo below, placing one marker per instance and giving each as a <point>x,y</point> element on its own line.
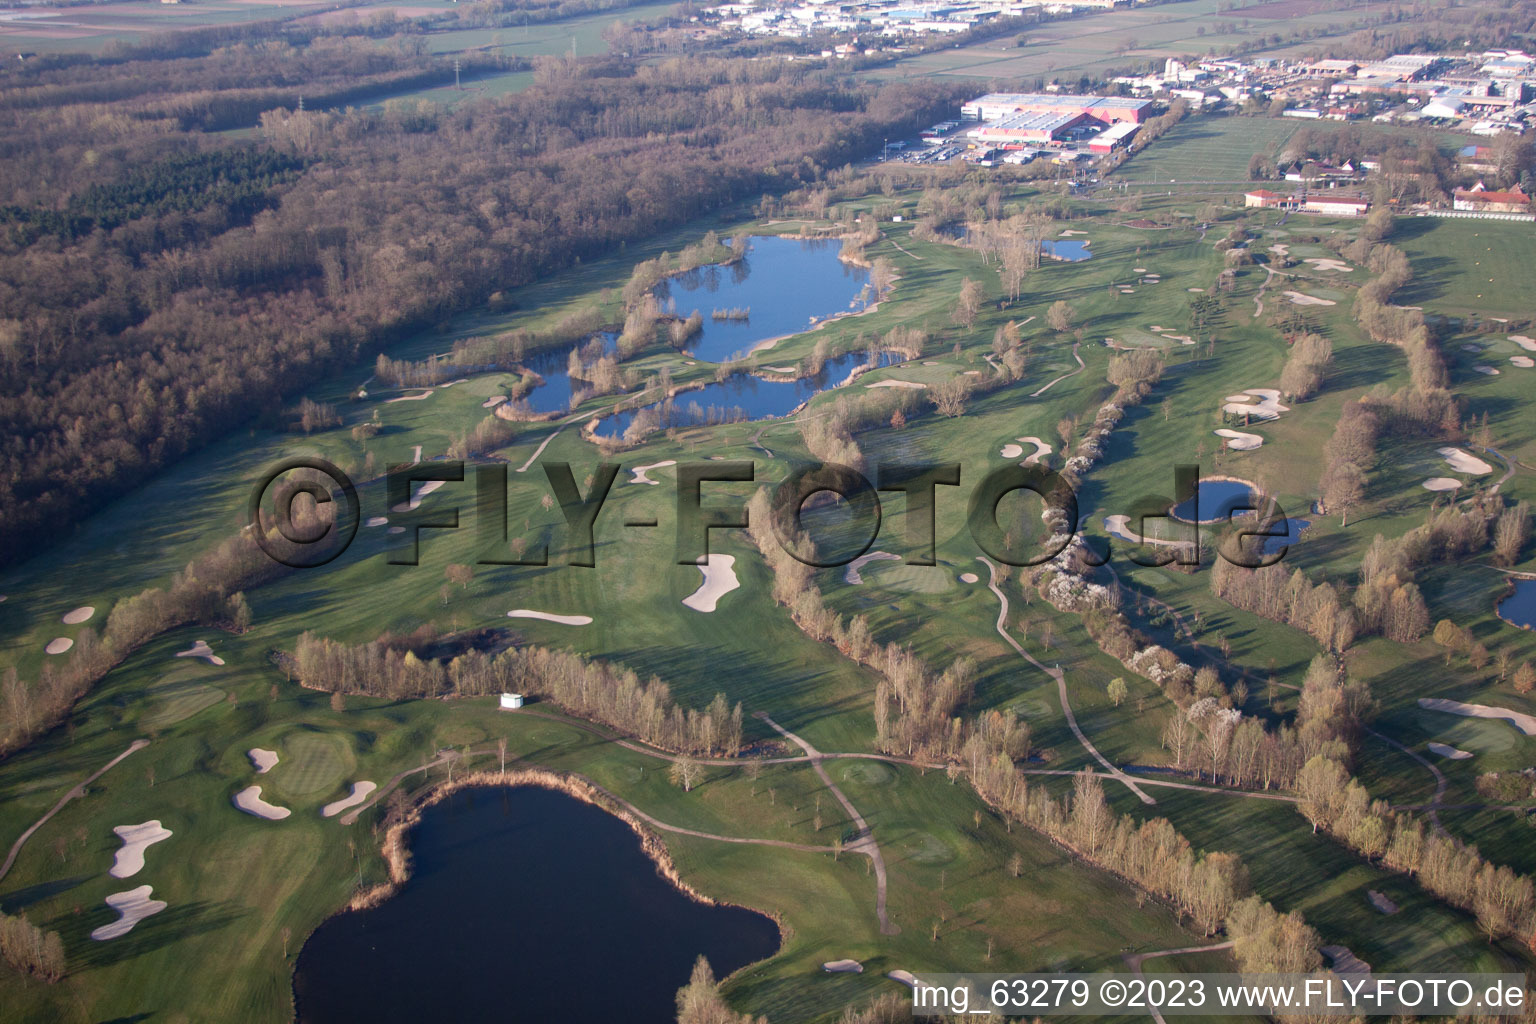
<point>865,843</point>
<point>1134,961</point>
<point>77,791</point>
<point>1058,380</point>
<point>1258,299</point>
<point>1061,685</point>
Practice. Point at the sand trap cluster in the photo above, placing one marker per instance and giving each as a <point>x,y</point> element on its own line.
<point>1440,483</point>
<point>360,791</point>
<point>1524,342</point>
<point>1267,407</point>
<point>719,580</point>
<point>564,620</point>
<point>1041,449</point>
<point>264,760</point>
<point>1345,962</point>
<point>408,398</point>
<point>1449,752</point>
<point>969,577</point>
<point>1525,723</point>
<point>1486,370</point>
<point>911,384</point>
<point>851,573</point>
<point>1380,902</point>
<point>1011,451</point>
<point>201,650</point>
<point>134,906</point>
<point>79,615</point>
<point>1462,462</point>
<point>129,861</point>
<point>640,471</point>
<point>1300,299</point>
<point>249,800</point>
<point>1524,362</point>
<point>843,967</point>
<point>423,489</point>
<point>59,645</point>
<point>1324,263</point>
<point>1239,441</point>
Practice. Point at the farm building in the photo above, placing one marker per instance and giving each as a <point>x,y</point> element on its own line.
<point>1264,199</point>
<point>1335,205</point>
<point>1483,200</point>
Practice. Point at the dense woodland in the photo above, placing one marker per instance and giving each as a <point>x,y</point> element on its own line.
<point>159,287</point>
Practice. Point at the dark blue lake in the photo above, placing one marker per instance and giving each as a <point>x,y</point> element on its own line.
<point>741,396</point>
<point>1519,608</point>
<point>1215,501</point>
<point>554,395</point>
<point>786,284</point>
<point>523,905</point>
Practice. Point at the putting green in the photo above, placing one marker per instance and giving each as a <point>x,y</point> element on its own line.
<point>867,773</point>
<point>312,762</point>
<point>178,701</point>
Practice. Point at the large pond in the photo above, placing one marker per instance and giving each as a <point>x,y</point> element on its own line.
<point>785,285</point>
<point>554,395</point>
<point>523,904</point>
<point>1216,501</point>
<point>1519,608</point>
<point>742,396</point>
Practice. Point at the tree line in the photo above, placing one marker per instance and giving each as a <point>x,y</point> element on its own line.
<point>30,949</point>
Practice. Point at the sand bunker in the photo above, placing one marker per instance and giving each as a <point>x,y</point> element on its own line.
<point>408,398</point>
<point>719,580</point>
<point>1041,449</point>
<point>912,384</point>
<point>1120,526</point>
<point>1526,343</point>
<point>1323,263</point>
<point>969,577</point>
<point>360,791</point>
<point>264,760</point>
<point>1345,962</point>
<point>1011,451</point>
<point>201,650</point>
<point>1138,270</point>
<point>1267,407</point>
<point>851,573</point>
<point>1525,362</point>
<point>1280,248</point>
<point>1486,370</point>
<point>1440,483</point>
<point>493,401</point>
<point>79,615</point>
<point>59,645</point>
<point>423,489</point>
<point>1297,298</point>
<point>1239,441</point>
<point>1461,462</point>
<point>1381,903</point>
<point>1525,723</point>
<point>249,800</point>
<point>640,471</point>
<point>843,967</point>
<point>905,977</point>
<point>129,861</point>
<point>564,620</point>
<point>1068,233</point>
<point>1449,752</point>
<point>377,521</point>
<point>135,905</point>
<point>461,380</point>
<point>1194,289</point>
<point>397,529</point>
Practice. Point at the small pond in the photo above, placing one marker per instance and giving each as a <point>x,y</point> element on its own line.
<point>1519,608</point>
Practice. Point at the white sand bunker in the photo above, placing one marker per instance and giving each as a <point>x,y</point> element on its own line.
<point>1120,526</point>
<point>422,490</point>
<point>1138,270</point>
<point>1525,362</point>
<point>397,529</point>
<point>249,800</point>
<point>1239,441</point>
<point>360,791</point>
<point>907,978</point>
<point>493,401</point>
<point>408,398</point>
<point>1449,752</point>
<point>1461,462</point>
<point>1323,263</point>
<point>851,574</point>
<point>1280,248</point>
<point>719,580</point>
<point>79,615</point>
<point>969,577</point>
<point>1345,962</point>
<point>1041,449</point>
<point>135,905</point>
<point>912,384</point>
<point>640,471</point>
<point>1011,451</point>
<point>129,861</point>
<point>1440,483</point>
<point>201,650</point>
<point>377,521</point>
<point>564,620</point>
<point>1525,723</point>
<point>1068,233</point>
<point>1267,407</point>
<point>59,645</point>
<point>264,760</point>
<point>778,369</point>
<point>1194,289</point>
<point>1380,902</point>
<point>843,967</point>
<point>1486,370</point>
<point>1524,342</point>
<point>1299,299</point>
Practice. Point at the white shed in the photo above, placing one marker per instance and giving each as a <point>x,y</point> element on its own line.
<point>511,700</point>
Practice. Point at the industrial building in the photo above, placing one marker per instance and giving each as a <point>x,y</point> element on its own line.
<point>995,106</point>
